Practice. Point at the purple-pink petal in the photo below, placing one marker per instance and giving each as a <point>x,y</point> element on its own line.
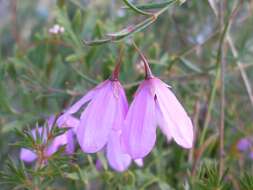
<point>251,155</point>
<point>117,159</point>
<point>243,144</point>
<point>139,132</point>
<point>27,155</point>
<point>99,165</point>
<point>41,133</point>
<point>56,143</point>
<point>50,121</point>
<point>162,124</point>
<point>176,122</point>
<point>76,106</point>
<point>86,98</point>
<point>68,121</point>
<point>66,138</point>
<point>97,119</point>
<point>70,147</point>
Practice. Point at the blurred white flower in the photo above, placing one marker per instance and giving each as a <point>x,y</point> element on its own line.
<point>121,13</point>
<point>56,29</point>
<point>182,2</point>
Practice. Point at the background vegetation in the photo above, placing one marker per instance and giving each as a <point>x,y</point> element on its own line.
<point>203,49</point>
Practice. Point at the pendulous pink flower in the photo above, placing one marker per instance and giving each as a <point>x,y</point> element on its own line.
<point>28,155</point>
<point>103,110</point>
<point>154,104</point>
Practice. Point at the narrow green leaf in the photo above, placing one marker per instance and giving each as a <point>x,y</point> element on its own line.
<point>123,33</point>
<point>96,42</point>
<point>190,65</point>
<point>147,6</point>
<point>136,9</point>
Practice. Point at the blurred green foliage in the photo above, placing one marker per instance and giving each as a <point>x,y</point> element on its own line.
<point>42,73</point>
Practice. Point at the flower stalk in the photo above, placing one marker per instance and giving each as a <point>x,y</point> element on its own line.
<point>148,71</point>
<point>115,74</point>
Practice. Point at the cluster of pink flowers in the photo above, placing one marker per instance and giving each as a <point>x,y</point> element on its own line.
<point>102,120</point>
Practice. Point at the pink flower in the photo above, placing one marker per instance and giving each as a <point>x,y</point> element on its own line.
<point>103,115</point>
<point>28,155</point>
<point>103,110</point>
<point>154,104</point>
<point>243,144</point>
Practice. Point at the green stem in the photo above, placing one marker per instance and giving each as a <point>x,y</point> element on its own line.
<point>215,84</point>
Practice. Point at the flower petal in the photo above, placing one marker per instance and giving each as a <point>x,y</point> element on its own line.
<point>64,139</point>
<point>139,133</point>
<point>139,162</point>
<point>67,117</point>
<point>117,159</point>
<point>244,144</point>
<point>121,107</point>
<point>123,99</point>
<point>99,165</point>
<point>97,120</point>
<point>27,155</point>
<point>56,143</point>
<point>41,133</point>
<point>76,106</point>
<point>70,148</point>
<point>176,121</point>
<point>50,121</point>
<point>162,124</point>
<point>68,121</point>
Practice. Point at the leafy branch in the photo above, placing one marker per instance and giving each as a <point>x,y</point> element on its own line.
<point>130,30</point>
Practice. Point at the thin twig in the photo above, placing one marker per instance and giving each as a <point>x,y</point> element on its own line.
<point>221,69</point>
<point>241,69</point>
<point>215,84</point>
<point>14,21</point>
<point>222,95</point>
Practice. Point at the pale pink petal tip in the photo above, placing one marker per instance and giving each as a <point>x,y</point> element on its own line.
<point>139,162</point>
<point>117,159</point>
